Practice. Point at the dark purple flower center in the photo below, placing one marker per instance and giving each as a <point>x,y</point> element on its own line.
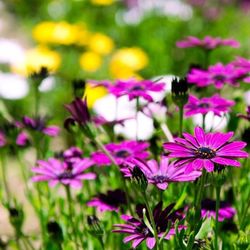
<point>205,153</point>
<point>159,178</point>
<point>122,153</point>
<point>204,105</point>
<point>220,78</point>
<point>67,174</point>
<point>137,87</point>
<point>143,229</point>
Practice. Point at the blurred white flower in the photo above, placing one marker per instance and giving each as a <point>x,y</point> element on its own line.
<point>47,84</point>
<point>13,86</point>
<point>247,97</point>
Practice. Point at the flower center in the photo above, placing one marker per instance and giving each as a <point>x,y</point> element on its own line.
<point>137,87</point>
<point>122,153</point>
<point>204,105</point>
<point>159,178</point>
<point>220,78</point>
<point>143,230</point>
<point>67,174</point>
<point>205,153</point>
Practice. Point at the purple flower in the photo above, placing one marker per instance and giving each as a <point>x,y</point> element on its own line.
<point>241,63</point>
<point>217,75</point>
<point>160,174</point>
<point>22,139</point>
<point>101,121</point>
<point>205,150</point>
<point>134,88</point>
<point>79,111</point>
<point>111,201</point>
<point>138,231</point>
<point>208,209</point>
<point>55,171</point>
<point>2,140</point>
<point>207,42</point>
<point>121,152</point>
<point>215,103</point>
<point>247,116</point>
<point>39,124</point>
<point>72,154</point>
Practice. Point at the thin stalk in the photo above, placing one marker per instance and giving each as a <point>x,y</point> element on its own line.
<point>37,100</point>
<point>137,118</point>
<point>218,188</point>
<point>70,208</point>
<point>5,183</point>
<point>151,217</point>
<point>180,120</point>
<point>203,122</point>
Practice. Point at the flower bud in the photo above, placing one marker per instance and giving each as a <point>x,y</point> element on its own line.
<point>139,178</point>
<point>78,87</point>
<point>95,228</point>
<point>55,232</point>
<point>179,91</point>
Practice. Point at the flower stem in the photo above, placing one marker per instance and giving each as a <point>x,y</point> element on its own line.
<point>5,183</point>
<point>70,207</point>
<point>203,122</point>
<point>151,217</point>
<point>180,120</point>
<point>137,119</point>
<point>218,188</point>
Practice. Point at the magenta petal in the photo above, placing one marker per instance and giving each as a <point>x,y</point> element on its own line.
<point>200,135</point>
<point>150,242</point>
<point>162,186</point>
<point>226,161</point>
<point>137,242</point>
<point>209,166</point>
<point>131,237</point>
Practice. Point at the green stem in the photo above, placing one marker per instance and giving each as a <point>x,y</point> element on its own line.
<point>5,183</point>
<point>71,212</point>
<point>151,217</point>
<point>218,188</point>
<point>203,122</point>
<point>180,120</point>
<point>137,119</point>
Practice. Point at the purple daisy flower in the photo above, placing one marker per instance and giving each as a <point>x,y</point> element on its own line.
<point>55,171</point>
<point>134,88</point>
<point>3,140</point>
<point>39,124</point>
<point>215,103</point>
<point>111,201</point>
<point>247,116</point>
<point>208,209</point>
<point>121,152</point>
<point>160,174</point>
<point>207,42</point>
<point>217,75</point>
<point>205,150</point>
<point>138,231</point>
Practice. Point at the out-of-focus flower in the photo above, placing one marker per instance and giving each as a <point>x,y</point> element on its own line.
<point>241,62</point>
<point>39,124</point>
<point>207,42</point>
<point>127,61</point>
<point>208,209</point>
<point>121,152</point>
<point>160,174</point>
<point>102,2</point>
<point>215,103</point>
<point>218,75</point>
<point>138,231</point>
<point>56,33</point>
<point>247,115</point>
<point>37,58</point>
<point>100,44</point>
<point>111,201</point>
<point>90,61</point>
<point>135,89</point>
<point>55,171</point>
<point>179,90</point>
<point>93,93</point>
<point>13,86</point>
<point>205,150</point>
<point>72,154</point>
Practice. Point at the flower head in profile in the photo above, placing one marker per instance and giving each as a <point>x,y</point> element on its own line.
<point>160,174</point>
<point>111,201</point>
<point>135,89</point>
<point>207,42</point>
<point>138,231</point>
<point>68,173</point>
<point>204,150</point>
<point>247,115</point>
<point>208,209</point>
<point>121,152</point>
<point>218,75</point>
<point>215,104</point>
<point>39,124</point>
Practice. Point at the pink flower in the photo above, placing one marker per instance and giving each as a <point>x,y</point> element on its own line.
<point>67,173</point>
<point>207,42</point>
<point>134,88</point>
<point>206,150</point>
<point>217,75</point>
<point>215,103</point>
<point>121,152</point>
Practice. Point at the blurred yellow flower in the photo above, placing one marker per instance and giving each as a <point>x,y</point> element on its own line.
<point>90,61</point>
<point>127,61</point>
<point>93,93</point>
<point>36,58</point>
<point>56,33</point>
<point>102,2</point>
<point>83,35</point>
<point>100,44</point>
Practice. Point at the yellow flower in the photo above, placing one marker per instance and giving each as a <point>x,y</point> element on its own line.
<point>83,35</point>
<point>101,44</point>
<point>102,2</point>
<point>94,93</point>
<point>126,61</point>
<point>56,32</point>
<point>36,58</point>
<point>90,61</point>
